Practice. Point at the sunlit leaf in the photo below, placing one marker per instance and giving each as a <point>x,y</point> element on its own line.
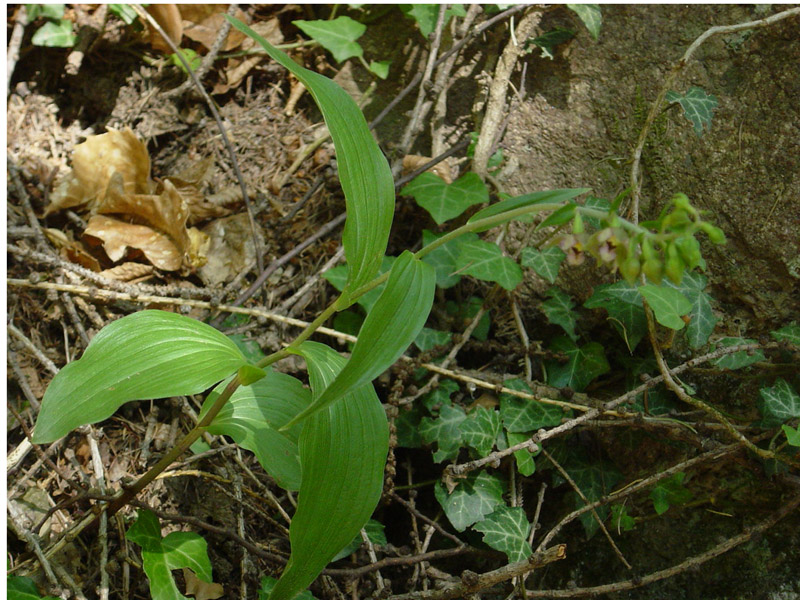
<point>534,198</point>
<point>668,304</point>
<point>24,588</point>
<point>792,435</point>
<point>703,321</point>
<point>55,34</point>
<point>446,201</point>
<point>337,36</point>
<point>526,466</point>
<point>670,492</point>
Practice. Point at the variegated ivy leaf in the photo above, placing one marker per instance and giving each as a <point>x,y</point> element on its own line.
<point>583,364</point>
<point>697,106</point>
<point>445,430</point>
<point>779,403</point>
<point>545,262</point>
<point>444,259</point>
<point>428,338</point>
<point>486,261</point>
<point>506,530</point>
<point>439,397</point>
<point>445,201</point>
<point>625,310</point>
<point>702,320</point>
<point>521,415</point>
<point>472,499</point>
<point>789,333</point>
<point>668,304</point>
<point>558,310</point>
<point>479,430</point>
<point>737,360</point>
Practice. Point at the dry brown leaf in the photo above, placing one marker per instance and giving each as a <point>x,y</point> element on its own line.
<point>71,250</point>
<point>412,162</point>
<point>238,69</point>
<point>94,162</point>
<point>169,17</point>
<point>231,249</point>
<point>200,589</point>
<point>127,271</point>
<point>117,236</point>
<point>202,22</point>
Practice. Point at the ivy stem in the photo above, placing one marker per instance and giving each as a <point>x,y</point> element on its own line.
<point>130,492</point>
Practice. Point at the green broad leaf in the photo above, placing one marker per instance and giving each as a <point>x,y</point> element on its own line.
<point>339,276</point>
<point>396,319</point>
<point>445,431</point>
<point>472,499</point>
<point>254,414</point>
<point>596,203</point>
<point>268,584</point>
<point>521,415</point>
<point>668,304</point>
<point>55,34</point>
<point>248,347</point>
<point>625,310</point>
<point>560,216</point>
<point>380,68</point>
<point>486,261</point>
<point>375,535</point>
<point>190,56</point>
<point>146,355</point>
<point>480,429</point>
<point>446,201</point>
<point>249,374</point>
<point>779,403</point>
<point>343,451</point>
<point>583,365</point>
<point>545,262</point>
<point>429,338</point>
<point>670,492</point>
<point>506,530</point>
<point>620,519</point>
<point>426,15</point>
<point>48,11</point>
<point>703,321</point>
<point>439,397</point>
<point>547,197</point>
<point>465,312</point>
<point>199,446</point>
<point>789,333</point>
<point>590,15</point>
<point>180,549</point>
<point>547,42</point>
<point>558,310</point>
<point>124,12</point>
<point>24,588</point>
<point>337,36</point>
<point>698,107</point>
<point>524,459</point>
<point>737,360</point>
<point>363,171</point>
<point>445,258</point>
<point>348,321</point>
<point>792,435</point>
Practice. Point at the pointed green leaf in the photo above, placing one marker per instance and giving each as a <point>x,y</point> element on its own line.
<point>521,415</point>
<point>445,430</point>
<point>534,198</point>
<point>249,374</point>
<point>703,321</point>
<point>792,435</point>
<point>337,36</point>
<point>445,258</point>
<point>623,303</point>
<point>392,324</point>
<point>145,355</point>
<point>524,459</point>
<point>668,304</point>
<point>363,171</point>
<point>426,15</point>
<point>479,430</point>
<point>472,499</point>
<point>590,15</point>
<point>506,530</point>
<point>439,397</point>
<point>737,360</point>
<point>24,588</point>
<point>268,584</point>
<point>789,333</point>
<point>180,549</point>
<point>55,34</point>
<point>596,203</point>
<point>670,492</point>
<point>343,451</point>
<point>558,310</point>
<point>48,11</point>
<point>380,68</point>
<point>582,366</point>
<point>559,217</point>
<point>486,261</point>
<point>428,338</point>
<point>697,106</point>
<point>375,534</point>
<point>254,414</point>
<point>446,201</point>
<point>779,403</point>
<point>339,276</point>
<point>545,262</point>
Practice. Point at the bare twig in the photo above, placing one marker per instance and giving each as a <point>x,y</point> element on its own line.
<point>14,44</point>
<point>102,537</point>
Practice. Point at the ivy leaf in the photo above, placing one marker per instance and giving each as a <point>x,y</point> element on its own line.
<point>737,360</point>
<point>48,11</point>
<point>426,15</point>
<point>428,338</point>
<point>789,333</point>
<point>125,12</point>
<point>545,262</point>
<point>697,106</point>
<point>407,427</point>
<point>472,499</point>
<point>248,347</point>
<point>596,203</point>
<point>254,414</point>
<point>445,257</point>
<point>24,588</point>
<point>446,201</point>
<point>375,534</point>
<point>479,430</point>
<point>779,403</point>
<point>55,34</point>
<point>146,355</point>
<point>440,396</point>
<point>521,415</point>
<point>582,366</point>
<point>466,311</point>
<point>180,549</point>
<point>558,311</point>
<point>668,304</point>
<point>506,530</point>
<point>340,275</point>
<point>486,261</point>
<point>590,15</point>
<point>620,519</point>
<point>670,492</point>
<point>703,321</point>
<point>337,36</point>
<point>445,430</point>
<point>792,435</point>
<point>524,459</point>
<point>624,306</point>
<point>380,68</point>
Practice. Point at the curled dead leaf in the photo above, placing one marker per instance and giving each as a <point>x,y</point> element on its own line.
<point>200,589</point>
<point>412,162</point>
<point>117,236</point>
<point>202,22</point>
<point>169,17</point>
<point>238,68</point>
<point>127,271</point>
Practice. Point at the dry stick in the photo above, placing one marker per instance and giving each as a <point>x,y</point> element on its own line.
<point>670,79</point>
<point>14,44</point>
<point>46,362</point>
<point>495,106</point>
<point>689,564</point>
<point>472,583</point>
<point>144,15</point>
<point>99,473</point>
<point>586,502</point>
<point>25,200</point>
<point>638,486</point>
<point>432,163</point>
<point>410,508</point>
<point>310,282</point>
